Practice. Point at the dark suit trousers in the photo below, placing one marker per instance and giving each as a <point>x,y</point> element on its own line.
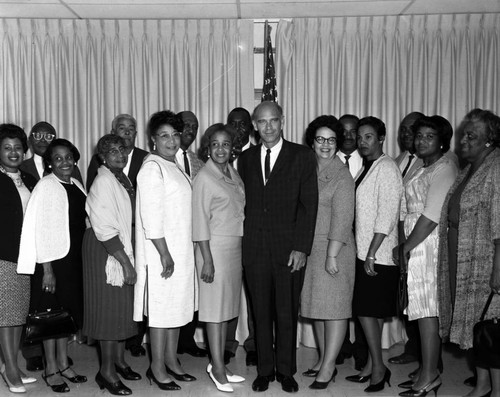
<point>274,293</point>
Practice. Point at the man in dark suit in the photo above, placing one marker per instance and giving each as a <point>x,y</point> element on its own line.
<point>280,215</point>
<point>125,126</point>
<point>42,133</point>
<point>241,120</point>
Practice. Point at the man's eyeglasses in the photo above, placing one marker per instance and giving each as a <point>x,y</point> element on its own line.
<point>322,139</point>
<point>37,136</point>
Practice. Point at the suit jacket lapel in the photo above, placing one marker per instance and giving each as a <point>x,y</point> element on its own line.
<point>281,160</point>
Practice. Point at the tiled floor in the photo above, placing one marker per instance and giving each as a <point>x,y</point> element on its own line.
<point>86,363</point>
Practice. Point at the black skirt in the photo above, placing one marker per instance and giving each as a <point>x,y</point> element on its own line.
<point>375,296</point>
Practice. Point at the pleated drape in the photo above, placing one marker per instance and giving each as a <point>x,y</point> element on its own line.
<point>79,74</point>
<point>387,67</point>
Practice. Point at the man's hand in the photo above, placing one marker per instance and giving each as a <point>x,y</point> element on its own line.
<point>297,260</point>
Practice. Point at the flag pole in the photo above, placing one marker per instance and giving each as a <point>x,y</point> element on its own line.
<point>266,26</point>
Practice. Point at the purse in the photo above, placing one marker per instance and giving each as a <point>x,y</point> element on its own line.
<point>402,299</point>
<point>486,342</point>
<point>50,324</point>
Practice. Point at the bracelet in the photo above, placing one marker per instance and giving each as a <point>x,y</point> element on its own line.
<point>371,258</point>
<point>329,256</point>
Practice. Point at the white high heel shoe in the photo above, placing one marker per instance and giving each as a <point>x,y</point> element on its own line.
<point>12,388</point>
<point>226,387</point>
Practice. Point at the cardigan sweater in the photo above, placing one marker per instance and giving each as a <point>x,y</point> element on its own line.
<point>12,215</point>
<point>45,234</point>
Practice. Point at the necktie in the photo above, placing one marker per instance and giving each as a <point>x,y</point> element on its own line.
<point>347,157</point>
<point>267,164</point>
<point>186,164</point>
<point>408,165</point>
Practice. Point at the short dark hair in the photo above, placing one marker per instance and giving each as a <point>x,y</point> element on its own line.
<point>43,126</point>
<point>13,131</point>
<point>327,121</point>
<point>105,143</point>
<point>443,129</point>
<point>47,156</point>
<point>164,117</point>
<point>239,110</point>
<point>349,117</point>
<point>490,120</point>
<point>210,131</point>
<point>374,122</point>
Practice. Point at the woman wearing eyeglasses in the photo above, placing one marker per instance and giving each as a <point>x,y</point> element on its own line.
<point>329,279</point>
<point>108,270</point>
<point>166,289</point>
<point>41,135</point>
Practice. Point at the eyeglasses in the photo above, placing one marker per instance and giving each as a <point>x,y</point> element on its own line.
<point>37,136</point>
<point>115,151</point>
<point>172,135</point>
<point>322,139</point>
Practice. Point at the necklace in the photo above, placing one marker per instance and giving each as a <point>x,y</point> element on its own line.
<point>15,176</point>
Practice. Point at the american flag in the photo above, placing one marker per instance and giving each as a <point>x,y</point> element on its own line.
<point>269,92</point>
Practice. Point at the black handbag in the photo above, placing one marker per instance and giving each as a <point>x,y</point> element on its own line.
<point>402,300</point>
<point>50,324</point>
<point>486,344</point>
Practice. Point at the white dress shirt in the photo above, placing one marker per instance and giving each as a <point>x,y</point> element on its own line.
<point>38,164</point>
<point>275,151</point>
<point>355,162</point>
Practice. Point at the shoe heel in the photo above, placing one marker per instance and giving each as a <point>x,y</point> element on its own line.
<point>435,390</point>
<point>388,377</point>
<point>98,380</point>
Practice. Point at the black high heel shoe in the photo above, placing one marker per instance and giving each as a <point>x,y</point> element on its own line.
<point>117,388</point>
<point>358,378</point>
<point>127,373</point>
<point>163,386</point>
<point>74,379</point>
<point>317,385</point>
<point>380,385</point>
<point>311,373</point>
<point>433,385</point>
<point>407,385</point>
<point>180,377</point>
<point>60,388</point>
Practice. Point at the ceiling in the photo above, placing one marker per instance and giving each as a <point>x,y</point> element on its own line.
<point>241,9</point>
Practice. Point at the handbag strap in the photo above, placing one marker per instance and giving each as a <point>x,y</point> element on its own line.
<point>487,306</point>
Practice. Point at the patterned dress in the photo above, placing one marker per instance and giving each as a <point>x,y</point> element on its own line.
<point>424,195</point>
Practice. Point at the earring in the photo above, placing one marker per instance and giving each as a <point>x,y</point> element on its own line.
<point>488,144</point>
<point>154,146</point>
<point>104,161</point>
<point>50,166</point>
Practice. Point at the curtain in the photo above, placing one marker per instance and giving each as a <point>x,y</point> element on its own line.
<point>387,67</point>
<point>78,74</point>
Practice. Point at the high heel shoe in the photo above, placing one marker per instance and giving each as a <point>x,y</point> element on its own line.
<point>407,385</point>
<point>127,373</point>
<point>358,378</point>
<point>317,385</point>
<point>311,373</point>
<point>181,377</point>
<point>27,380</point>
<point>231,378</point>
<point>74,379</point>
<point>163,386</point>
<point>226,387</point>
<point>380,385</point>
<point>60,388</point>
<point>117,388</point>
<point>433,385</point>
<point>12,388</point>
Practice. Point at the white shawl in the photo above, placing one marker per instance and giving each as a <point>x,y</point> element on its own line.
<point>110,213</point>
<point>45,235</point>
